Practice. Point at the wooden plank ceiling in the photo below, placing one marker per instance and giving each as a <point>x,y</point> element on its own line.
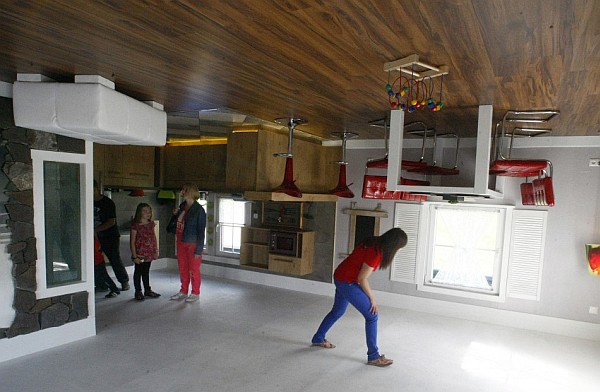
<point>319,60</point>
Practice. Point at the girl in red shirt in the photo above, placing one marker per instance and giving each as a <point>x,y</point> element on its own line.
<point>144,249</point>
<point>352,286</point>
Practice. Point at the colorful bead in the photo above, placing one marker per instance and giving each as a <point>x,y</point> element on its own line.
<point>388,87</point>
<point>394,105</point>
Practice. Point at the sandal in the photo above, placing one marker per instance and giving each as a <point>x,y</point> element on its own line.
<point>325,344</point>
<point>382,361</point>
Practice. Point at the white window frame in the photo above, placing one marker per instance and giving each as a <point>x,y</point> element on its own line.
<point>38,158</point>
<point>425,247</point>
<point>220,224</point>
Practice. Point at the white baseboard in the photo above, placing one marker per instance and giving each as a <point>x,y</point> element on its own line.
<point>46,338</point>
<point>553,325</point>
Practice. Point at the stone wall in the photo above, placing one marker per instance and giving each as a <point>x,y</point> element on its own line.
<point>32,314</point>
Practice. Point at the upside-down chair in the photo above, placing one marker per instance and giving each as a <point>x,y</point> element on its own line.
<point>375,186</point>
<point>539,191</point>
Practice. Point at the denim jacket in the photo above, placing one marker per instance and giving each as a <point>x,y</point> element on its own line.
<point>194,226</point>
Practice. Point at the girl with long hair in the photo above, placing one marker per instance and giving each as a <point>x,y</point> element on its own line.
<point>144,249</point>
<point>352,287</point>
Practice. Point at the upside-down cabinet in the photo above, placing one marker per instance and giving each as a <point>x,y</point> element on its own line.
<point>124,166</point>
<point>200,165</point>
<point>300,265</point>
<point>256,251</point>
<point>251,165</point>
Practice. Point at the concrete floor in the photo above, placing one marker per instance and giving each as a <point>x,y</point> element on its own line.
<point>245,337</point>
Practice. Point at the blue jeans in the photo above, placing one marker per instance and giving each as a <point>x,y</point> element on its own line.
<point>352,293</point>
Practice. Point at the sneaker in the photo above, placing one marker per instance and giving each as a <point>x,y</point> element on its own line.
<point>178,296</point>
<point>139,296</point>
<point>151,294</point>
<point>124,286</point>
<point>192,298</point>
<point>112,294</point>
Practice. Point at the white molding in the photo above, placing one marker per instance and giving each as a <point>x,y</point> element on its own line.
<point>38,157</point>
<point>46,338</point>
<point>558,326</point>
<point>507,318</point>
<point>271,280</point>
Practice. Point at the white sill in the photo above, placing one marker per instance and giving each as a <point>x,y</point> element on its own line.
<point>457,292</point>
<point>45,292</point>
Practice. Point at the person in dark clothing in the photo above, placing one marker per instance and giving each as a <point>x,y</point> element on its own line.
<point>101,276</point>
<point>105,227</point>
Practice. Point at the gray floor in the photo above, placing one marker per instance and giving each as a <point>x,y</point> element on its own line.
<point>244,337</point>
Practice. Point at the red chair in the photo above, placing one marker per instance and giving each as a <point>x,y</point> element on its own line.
<point>539,192</point>
<point>375,187</point>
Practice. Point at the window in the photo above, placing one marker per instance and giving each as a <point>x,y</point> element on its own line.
<point>466,252</point>
<point>61,199</point>
<point>232,216</point>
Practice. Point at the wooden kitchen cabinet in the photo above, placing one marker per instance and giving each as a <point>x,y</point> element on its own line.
<point>124,166</point>
<point>251,165</point>
<point>302,265</point>
<point>200,165</point>
<point>254,250</point>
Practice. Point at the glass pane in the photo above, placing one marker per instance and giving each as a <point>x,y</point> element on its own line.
<point>232,215</point>
<point>62,218</point>
<point>465,251</point>
<point>230,238</point>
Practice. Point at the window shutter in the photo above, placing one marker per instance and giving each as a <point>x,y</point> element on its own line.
<point>526,254</point>
<point>404,266</point>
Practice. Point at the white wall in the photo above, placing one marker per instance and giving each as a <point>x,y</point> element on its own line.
<point>567,288</point>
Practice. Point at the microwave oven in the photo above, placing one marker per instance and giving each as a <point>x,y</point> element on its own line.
<point>287,243</point>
